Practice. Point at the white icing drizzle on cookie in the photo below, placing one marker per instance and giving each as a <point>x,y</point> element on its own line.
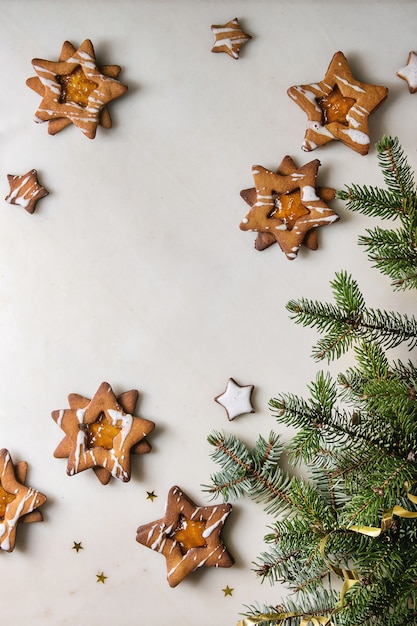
<point>26,504</point>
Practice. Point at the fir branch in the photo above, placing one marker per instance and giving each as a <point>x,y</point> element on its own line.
<point>371,201</point>
<point>398,199</point>
<point>253,473</point>
<point>351,321</point>
<point>319,603</point>
<point>391,253</point>
<point>320,423</point>
<point>397,173</point>
<point>357,436</point>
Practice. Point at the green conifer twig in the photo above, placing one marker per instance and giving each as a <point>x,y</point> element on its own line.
<point>356,439</point>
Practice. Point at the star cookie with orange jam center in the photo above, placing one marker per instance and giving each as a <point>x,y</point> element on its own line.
<point>25,190</point>
<point>229,38</point>
<point>18,503</point>
<point>287,207</point>
<point>188,536</point>
<point>102,433</point>
<point>338,107</point>
<point>75,90</point>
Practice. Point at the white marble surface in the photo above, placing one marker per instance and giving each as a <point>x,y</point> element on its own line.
<point>134,271</point>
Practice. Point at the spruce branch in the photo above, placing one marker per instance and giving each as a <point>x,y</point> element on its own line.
<point>392,252</point>
<point>350,321</point>
<point>353,515</point>
<point>254,473</point>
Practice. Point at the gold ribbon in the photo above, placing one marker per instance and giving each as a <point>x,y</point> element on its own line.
<point>387,517</point>
<point>318,620</point>
<point>350,577</point>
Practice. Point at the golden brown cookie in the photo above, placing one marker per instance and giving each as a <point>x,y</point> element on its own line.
<point>229,38</point>
<point>102,433</point>
<point>188,536</point>
<point>75,90</point>
<point>409,72</point>
<point>287,207</point>
<point>25,190</point>
<point>18,503</point>
<point>338,107</point>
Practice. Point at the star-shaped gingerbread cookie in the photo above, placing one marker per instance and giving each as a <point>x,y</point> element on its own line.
<point>338,107</point>
<point>102,433</point>
<point>287,207</point>
<point>18,503</point>
<point>229,38</point>
<point>409,72</point>
<point>236,399</point>
<point>25,190</point>
<point>188,536</point>
<point>75,90</point>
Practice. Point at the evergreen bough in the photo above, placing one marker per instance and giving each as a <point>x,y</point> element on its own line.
<point>343,540</point>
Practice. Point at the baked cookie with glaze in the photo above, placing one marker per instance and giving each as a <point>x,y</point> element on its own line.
<point>18,503</point>
<point>409,72</point>
<point>75,90</point>
<point>25,190</point>
<point>287,207</point>
<point>338,107</point>
<point>188,536</point>
<point>102,433</point>
<point>229,38</point>
<point>236,399</point>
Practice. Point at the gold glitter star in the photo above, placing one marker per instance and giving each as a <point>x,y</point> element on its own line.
<point>188,536</point>
<point>101,578</point>
<point>229,38</point>
<point>151,495</point>
<point>227,591</point>
<point>25,190</point>
<point>77,546</point>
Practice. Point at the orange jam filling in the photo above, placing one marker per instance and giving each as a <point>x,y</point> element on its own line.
<point>335,107</point>
<point>5,498</point>
<point>75,87</point>
<point>288,207</point>
<point>101,434</point>
<point>189,534</point>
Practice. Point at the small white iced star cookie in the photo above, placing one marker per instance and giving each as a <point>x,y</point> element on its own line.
<point>409,72</point>
<point>236,399</point>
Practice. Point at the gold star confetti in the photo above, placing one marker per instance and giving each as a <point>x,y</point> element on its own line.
<point>151,495</point>
<point>77,546</point>
<point>227,591</point>
<point>101,578</point>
